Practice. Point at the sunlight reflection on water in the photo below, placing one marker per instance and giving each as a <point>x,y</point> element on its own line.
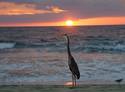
<point>68,83</point>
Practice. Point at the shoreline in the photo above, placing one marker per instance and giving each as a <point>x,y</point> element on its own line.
<point>55,88</point>
<point>64,83</point>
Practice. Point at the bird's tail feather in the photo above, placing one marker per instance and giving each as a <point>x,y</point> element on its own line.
<point>78,75</point>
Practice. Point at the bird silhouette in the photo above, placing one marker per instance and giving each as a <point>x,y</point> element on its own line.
<point>72,64</point>
<point>119,81</point>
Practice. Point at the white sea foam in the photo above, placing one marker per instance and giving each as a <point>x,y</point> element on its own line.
<point>4,45</point>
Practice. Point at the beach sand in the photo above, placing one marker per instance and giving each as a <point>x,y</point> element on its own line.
<point>57,88</point>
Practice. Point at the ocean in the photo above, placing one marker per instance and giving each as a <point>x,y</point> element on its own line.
<point>38,55</point>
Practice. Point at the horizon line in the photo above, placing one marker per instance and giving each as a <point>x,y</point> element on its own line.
<point>63,25</point>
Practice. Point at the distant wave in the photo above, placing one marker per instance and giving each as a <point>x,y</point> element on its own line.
<point>4,45</point>
<point>101,48</point>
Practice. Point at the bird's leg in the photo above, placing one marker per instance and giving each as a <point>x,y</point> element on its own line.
<point>119,84</point>
<point>75,81</point>
<point>72,80</point>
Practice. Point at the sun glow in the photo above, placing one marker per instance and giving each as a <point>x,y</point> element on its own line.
<point>69,23</point>
<point>68,84</point>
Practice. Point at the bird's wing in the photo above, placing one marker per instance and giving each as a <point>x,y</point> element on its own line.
<point>74,68</point>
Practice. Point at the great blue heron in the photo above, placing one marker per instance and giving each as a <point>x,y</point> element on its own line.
<point>72,64</point>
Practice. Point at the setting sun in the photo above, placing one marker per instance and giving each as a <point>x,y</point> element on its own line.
<point>69,23</point>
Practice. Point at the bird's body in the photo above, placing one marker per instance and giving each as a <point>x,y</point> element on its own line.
<point>119,80</point>
<point>72,64</point>
<point>73,67</point>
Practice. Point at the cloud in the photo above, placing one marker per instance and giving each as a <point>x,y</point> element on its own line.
<point>11,8</point>
<point>92,8</point>
<point>56,9</point>
<point>27,11</point>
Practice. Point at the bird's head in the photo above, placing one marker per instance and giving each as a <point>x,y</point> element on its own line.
<point>66,36</point>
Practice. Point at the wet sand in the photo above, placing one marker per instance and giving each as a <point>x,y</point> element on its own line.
<point>55,88</point>
<point>65,83</point>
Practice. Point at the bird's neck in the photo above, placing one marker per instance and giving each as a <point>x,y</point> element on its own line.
<point>68,47</point>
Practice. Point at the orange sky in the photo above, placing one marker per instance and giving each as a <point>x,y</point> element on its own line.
<point>81,12</point>
<point>103,21</point>
<point>89,21</point>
